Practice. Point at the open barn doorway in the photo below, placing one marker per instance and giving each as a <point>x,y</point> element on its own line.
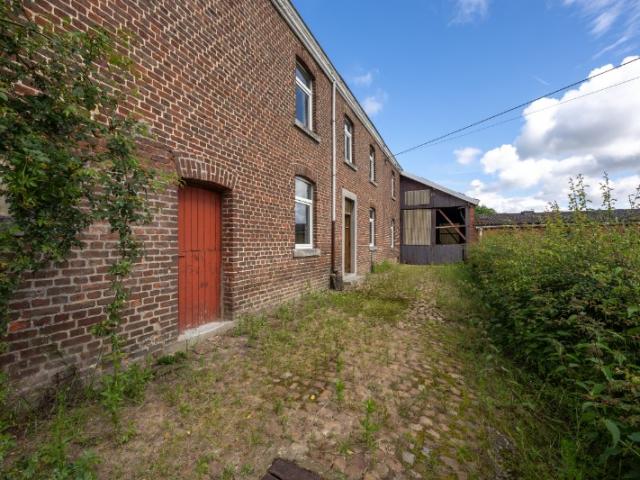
<point>451,226</point>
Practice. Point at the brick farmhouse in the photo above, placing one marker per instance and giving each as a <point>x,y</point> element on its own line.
<point>287,183</point>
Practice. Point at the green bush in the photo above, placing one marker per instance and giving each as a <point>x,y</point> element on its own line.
<point>565,303</point>
<point>383,266</point>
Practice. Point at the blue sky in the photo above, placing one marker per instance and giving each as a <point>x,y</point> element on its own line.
<point>425,67</point>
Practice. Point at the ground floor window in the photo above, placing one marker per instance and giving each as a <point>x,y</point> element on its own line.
<point>304,213</point>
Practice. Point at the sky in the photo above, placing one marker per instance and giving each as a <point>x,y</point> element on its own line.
<point>423,68</point>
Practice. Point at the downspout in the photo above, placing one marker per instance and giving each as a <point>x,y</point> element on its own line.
<point>336,279</point>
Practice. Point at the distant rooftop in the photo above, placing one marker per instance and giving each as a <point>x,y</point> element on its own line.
<point>539,218</point>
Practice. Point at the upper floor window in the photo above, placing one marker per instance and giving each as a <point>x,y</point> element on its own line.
<point>348,141</point>
<point>372,164</point>
<point>393,184</point>
<point>372,227</point>
<point>304,213</point>
<point>304,98</point>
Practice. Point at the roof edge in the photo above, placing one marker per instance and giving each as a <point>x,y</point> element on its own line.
<point>437,186</point>
<point>302,31</point>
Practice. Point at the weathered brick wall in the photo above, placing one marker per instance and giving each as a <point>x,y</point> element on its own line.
<point>216,86</point>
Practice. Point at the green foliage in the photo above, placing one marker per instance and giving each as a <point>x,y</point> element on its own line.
<point>382,267</point>
<point>172,359</point>
<point>370,425</point>
<point>340,386</point>
<point>53,460</point>
<point>564,304</point>
<point>67,160</point>
<point>6,439</point>
<point>250,325</point>
<point>118,387</point>
<point>484,210</point>
<point>66,156</point>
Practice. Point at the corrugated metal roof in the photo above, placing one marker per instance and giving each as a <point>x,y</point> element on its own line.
<point>442,188</point>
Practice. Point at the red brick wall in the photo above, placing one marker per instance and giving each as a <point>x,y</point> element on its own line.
<point>216,84</point>
<point>472,235</point>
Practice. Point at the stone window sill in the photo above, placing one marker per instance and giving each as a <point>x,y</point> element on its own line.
<point>351,166</point>
<point>314,136</point>
<point>306,252</point>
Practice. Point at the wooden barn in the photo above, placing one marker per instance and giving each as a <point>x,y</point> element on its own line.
<point>437,223</point>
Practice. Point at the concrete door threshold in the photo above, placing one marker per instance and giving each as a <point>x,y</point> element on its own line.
<point>352,278</point>
<point>195,335</point>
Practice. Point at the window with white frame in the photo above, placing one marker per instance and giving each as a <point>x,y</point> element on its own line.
<point>304,98</point>
<point>372,164</point>
<point>393,184</point>
<point>304,213</point>
<point>372,227</point>
<point>393,233</point>
<point>348,141</point>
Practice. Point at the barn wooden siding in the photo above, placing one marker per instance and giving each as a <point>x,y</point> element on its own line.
<point>420,248</point>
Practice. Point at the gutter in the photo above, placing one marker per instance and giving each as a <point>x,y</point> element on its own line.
<point>333,182</point>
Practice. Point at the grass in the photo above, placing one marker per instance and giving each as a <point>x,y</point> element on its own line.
<point>370,425</point>
<point>328,359</point>
<point>205,415</point>
<point>315,330</point>
<point>511,401</point>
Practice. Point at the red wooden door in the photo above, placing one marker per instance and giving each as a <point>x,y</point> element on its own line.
<point>199,256</point>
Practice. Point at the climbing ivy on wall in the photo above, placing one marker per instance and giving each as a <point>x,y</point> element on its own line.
<point>67,156</point>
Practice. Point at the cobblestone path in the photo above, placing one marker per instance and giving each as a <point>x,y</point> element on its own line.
<point>392,402</point>
<point>428,424</point>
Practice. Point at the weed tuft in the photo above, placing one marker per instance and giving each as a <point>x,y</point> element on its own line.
<point>172,359</point>
<point>369,424</point>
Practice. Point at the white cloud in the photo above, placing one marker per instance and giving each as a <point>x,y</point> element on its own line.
<point>363,80</point>
<point>373,104</point>
<point>603,124</point>
<point>465,156</point>
<point>562,138</point>
<point>504,204</point>
<point>620,18</point>
<point>468,11</point>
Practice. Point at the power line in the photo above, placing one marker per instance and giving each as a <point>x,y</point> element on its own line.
<point>527,114</point>
<point>517,107</point>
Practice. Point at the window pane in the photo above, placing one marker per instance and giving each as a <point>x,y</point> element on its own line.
<point>303,189</point>
<point>372,166</point>
<point>303,76</point>
<point>372,227</point>
<point>302,106</point>
<point>347,148</point>
<point>303,230</point>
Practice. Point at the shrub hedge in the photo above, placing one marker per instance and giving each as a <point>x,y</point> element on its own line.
<point>565,304</point>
